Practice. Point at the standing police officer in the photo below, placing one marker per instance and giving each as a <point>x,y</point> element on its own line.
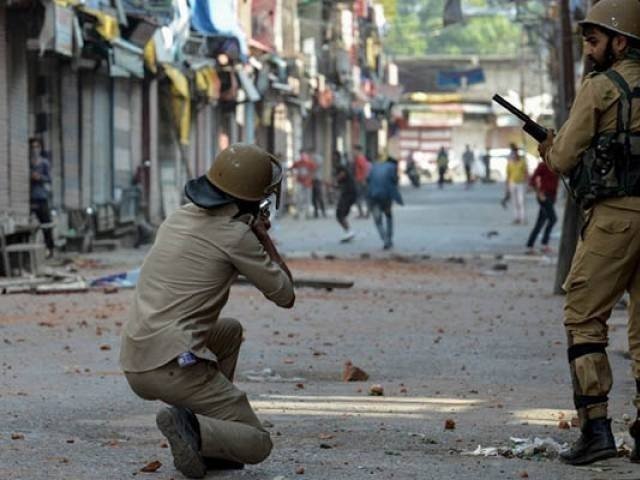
<point>175,347</point>
<point>599,147</point>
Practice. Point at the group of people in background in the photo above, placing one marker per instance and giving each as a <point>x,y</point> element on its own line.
<point>544,183</point>
<point>518,181</point>
<point>371,188</point>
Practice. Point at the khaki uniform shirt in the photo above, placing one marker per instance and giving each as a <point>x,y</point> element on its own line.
<point>595,110</point>
<point>185,280</point>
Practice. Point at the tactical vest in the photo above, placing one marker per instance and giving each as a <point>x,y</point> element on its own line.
<point>610,167</point>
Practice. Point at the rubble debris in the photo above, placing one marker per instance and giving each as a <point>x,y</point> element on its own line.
<point>376,390</point>
<point>401,258</point>
<point>522,448</point>
<point>268,375</point>
<point>501,267</point>
<point>88,263</point>
<point>449,424</point>
<point>47,277</point>
<point>300,470</point>
<point>78,286</point>
<point>17,436</point>
<point>151,467</point>
<point>564,425</point>
<point>351,373</point>
<point>458,260</point>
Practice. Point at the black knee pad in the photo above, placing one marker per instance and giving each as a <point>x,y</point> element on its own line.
<point>579,350</point>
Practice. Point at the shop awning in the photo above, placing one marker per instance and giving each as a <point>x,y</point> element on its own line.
<point>218,17</point>
<point>248,85</point>
<point>127,59</point>
<point>58,29</point>
<point>158,10</point>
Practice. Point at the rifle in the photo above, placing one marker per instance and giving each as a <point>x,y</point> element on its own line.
<point>264,208</point>
<point>537,131</point>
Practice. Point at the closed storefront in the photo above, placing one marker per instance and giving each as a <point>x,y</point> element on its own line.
<point>101,152</point>
<point>14,124</point>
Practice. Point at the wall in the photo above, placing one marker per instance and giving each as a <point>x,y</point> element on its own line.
<point>4,116</point>
<point>14,120</point>
<point>68,133</point>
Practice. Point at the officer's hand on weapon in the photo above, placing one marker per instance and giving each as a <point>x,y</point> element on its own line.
<point>261,226</point>
<point>544,147</point>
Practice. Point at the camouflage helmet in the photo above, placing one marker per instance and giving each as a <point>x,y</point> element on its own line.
<point>241,171</point>
<point>618,16</point>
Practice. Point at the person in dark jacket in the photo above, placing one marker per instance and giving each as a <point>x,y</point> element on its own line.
<point>40,187</point>
<point>382,192</point>
<point>348,194</point>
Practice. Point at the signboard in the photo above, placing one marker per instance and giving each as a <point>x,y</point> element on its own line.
<point>63,39</point>
<point>435,119</point>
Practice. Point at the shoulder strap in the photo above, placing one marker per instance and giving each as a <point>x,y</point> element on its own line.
<point>624,105</point>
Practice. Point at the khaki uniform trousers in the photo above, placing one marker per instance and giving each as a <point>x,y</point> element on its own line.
<point>606,263</point>
<point>229,428</point>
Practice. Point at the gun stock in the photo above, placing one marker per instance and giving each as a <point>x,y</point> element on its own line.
<point>537,131</point>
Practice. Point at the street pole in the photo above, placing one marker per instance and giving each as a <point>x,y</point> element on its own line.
<point>572,221</point>
<point>569,237</point>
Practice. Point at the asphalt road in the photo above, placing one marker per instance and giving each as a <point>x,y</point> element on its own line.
<point>447,340</point>
<point>435,222</point>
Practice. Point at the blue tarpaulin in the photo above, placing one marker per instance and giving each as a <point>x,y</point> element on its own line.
<point>122,280</point>
<point>453,78</point>
<point>218,17</point>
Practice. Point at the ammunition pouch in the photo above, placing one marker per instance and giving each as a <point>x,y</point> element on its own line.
<point>610,167</point>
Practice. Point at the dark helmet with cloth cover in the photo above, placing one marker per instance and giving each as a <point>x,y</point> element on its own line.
<point>240,172</point>
<point>617,16</point>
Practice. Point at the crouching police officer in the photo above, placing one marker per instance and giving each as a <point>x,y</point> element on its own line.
<point>175,347</point>
<point>599,148</point>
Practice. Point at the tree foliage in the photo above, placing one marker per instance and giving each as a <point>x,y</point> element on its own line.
<point>417,29</point>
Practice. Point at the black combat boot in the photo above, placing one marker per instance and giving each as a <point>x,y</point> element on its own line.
<point>595,443</point>
<point>182,430</point>
<point>634,431</point>
<point>220,464</point>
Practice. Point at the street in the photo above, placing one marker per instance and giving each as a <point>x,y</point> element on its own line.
<point>451,221</point>
<point>456,324</point>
